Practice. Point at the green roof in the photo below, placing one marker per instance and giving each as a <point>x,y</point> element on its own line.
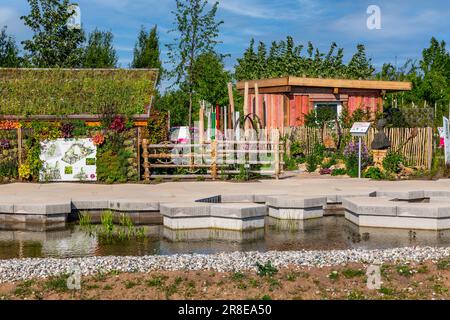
<point>66,92</point>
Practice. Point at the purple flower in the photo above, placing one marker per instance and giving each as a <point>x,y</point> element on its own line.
<point>5,144</point>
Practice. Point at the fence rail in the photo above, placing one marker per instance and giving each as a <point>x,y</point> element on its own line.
<point>418,150</point>
<point>213,157</point>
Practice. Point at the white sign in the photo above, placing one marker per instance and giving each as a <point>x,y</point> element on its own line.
<point>446,141</point>
<point>74,22</point>
<point>68,160</point>
<point>360,128</point>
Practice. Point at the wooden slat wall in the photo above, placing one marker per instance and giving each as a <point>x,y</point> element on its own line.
<point>418,152</point>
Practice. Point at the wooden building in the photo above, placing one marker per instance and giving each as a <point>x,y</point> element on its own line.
<point>284,102</point>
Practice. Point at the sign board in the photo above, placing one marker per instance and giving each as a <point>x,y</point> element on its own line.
<point>68,160</point>
<point>447,141</point>
<point>360,129</point>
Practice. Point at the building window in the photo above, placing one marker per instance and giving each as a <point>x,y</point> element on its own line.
<point>329,110</point>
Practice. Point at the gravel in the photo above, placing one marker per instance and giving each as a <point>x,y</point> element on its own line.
<point>24,269</point>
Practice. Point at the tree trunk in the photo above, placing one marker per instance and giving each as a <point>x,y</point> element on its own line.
<point>190,109</point>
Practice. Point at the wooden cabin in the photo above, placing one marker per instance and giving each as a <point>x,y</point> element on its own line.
<point>284,102</point>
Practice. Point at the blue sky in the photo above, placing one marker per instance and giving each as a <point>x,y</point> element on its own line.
<point>407,26</point>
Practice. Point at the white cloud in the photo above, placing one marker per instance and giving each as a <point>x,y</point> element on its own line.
<point>255,9</point>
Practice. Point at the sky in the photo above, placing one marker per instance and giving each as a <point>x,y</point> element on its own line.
<point>406,25</point>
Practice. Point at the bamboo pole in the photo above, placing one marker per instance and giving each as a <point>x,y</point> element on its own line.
<point>139,153</point>
<point>214,160</point>
<point>231,100</point>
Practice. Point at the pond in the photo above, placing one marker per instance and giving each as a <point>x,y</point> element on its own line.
<point>332,232</point>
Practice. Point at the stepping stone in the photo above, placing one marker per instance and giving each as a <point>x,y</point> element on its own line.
<point>296,208</point>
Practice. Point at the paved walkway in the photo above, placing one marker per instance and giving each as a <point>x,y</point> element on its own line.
<point>20,193</point>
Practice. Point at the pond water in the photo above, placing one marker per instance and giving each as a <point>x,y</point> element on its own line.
<point>328,233</point>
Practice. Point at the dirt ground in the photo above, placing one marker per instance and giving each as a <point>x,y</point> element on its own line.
<point>413,281</point>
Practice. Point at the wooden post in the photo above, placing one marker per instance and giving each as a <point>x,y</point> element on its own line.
<point>19,144</point>
<point>231,98</point>
<point>245,105</point>
<point>139,152</point>
<point>146,163</point>
<point>214,159</point>
<point>256,101</point>
<point>201,123</point>
<point>276,148</point>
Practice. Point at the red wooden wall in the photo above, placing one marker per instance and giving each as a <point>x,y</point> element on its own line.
<point>287,110</point>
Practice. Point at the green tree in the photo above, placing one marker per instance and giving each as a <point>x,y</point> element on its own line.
<point>100,52</point>
<point>360,67</point>
<point>211,79</point>
<point>54,44</point>
<point>146,50</point>
<point>245,68</point>
<point>197,32</point>
<point>9,53</point>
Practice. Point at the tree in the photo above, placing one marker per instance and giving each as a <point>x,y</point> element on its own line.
<point>54,44</point>
<point>9,53</point>
<point>197,32</point>
<point>211,79</point>
<point>360,67</point>
<point>245,68</point>
<point>146,50</point>
<point>100,52</point>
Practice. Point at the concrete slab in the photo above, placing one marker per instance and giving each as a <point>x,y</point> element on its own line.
<point>42,208</point>
<point>294,202</point>
<point>238,210</point>
<point>233,198</point>
<point>370,206</point>
<point>178,210</point>
<point>424,210</point>
<point>130,205</point>
<point>90,204</point>
<point>296,214</point>
<point>402,195</point>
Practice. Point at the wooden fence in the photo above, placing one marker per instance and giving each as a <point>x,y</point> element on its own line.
<point>418,150</point>
<point>212,158</point>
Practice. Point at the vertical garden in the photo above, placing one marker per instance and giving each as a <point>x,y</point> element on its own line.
<point>98,114</point>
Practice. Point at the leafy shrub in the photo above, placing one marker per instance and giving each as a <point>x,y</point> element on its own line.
<point>392,162</point>
<point>266,270</point>
<point>374,173</point>
<point>9,169</point>
<point>311,163</point>
<point>112,167</point>
<point>338,172</point>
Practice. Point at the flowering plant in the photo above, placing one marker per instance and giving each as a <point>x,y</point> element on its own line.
<point>98,139</point>
<point>9,125</point>
<point>5,144</point>
<point>351,152</point>
<point>118,124</point>
<point>66,130</point>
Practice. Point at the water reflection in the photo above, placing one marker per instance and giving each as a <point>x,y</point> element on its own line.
<point>22,241</point>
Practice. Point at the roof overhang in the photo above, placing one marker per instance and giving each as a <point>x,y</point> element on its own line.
<point>289,82</point>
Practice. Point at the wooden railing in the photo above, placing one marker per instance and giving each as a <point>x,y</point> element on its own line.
<point>213,158</point>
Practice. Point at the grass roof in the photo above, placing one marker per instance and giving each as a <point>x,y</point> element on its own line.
<point>65,92</point>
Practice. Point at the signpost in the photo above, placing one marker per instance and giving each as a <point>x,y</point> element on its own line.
<point>360,129</point>
<point>446,134</point>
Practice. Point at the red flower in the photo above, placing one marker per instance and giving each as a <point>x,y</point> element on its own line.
<point>98,139</point>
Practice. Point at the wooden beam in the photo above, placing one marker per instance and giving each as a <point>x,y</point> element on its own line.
<point>329,83</point>
<point>246,86</point>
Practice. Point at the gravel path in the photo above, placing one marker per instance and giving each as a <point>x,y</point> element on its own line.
<point>23,269</point>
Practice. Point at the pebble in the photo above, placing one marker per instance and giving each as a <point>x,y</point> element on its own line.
<point>25,269</point>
